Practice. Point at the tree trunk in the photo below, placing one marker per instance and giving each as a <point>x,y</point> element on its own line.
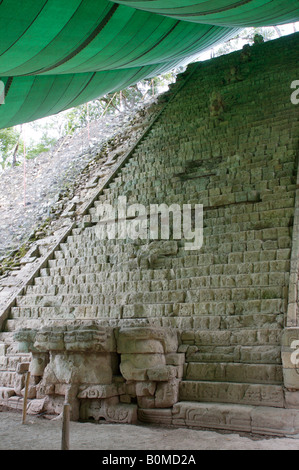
<point>15,152</point>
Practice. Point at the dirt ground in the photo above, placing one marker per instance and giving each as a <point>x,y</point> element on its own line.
<point>43,434</point>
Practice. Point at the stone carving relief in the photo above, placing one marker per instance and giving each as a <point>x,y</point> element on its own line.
<point>104,373</point>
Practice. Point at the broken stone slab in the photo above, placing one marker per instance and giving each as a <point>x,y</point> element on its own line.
<point>6,392</point>
<point>36,406</point>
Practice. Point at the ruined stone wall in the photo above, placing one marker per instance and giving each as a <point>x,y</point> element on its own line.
<point>229,141</point>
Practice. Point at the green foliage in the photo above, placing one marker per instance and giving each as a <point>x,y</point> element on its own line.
<point>44,145</point>
<point>247,35</point>
<point>8,141</point>
<point>77,118</point>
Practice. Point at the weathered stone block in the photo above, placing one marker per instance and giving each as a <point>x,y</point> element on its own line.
<point>6,392</point>
<point>25,338</point>
<point>19,384</point>
<point>213,416</point>
<point>146,402</point>
<point>142,346</point>
<point>125,399</point>
<point>31,393</point>
<point>147,340</point>
<point>275,422</point>
<point>53,404</point>
<point>167,394</point>
<point>291,399</point>
<point>50,339</point>
<point>80,368</point>
<point>145,389</point>
<point>162,373</point>
<point>155,416</point>
<point>36,407</point>
<point>135,366</point>
<point>43,390</point>
<point>38,364</point>
<point>90,338</point>
<point>221,392</point>
<point>23,367</point>
<point>175,359</point>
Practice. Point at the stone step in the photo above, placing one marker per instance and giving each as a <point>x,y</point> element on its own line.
<point>96,252</point>
<point>245,337</point>
<point>213,227</point>
<point>262,420</point>
<point>153,306</point>
<point>234,199</point>
<point>205,261</point>
<point>234,372</point>
<point>254,354</point>
<point>207,274</point>
<point>105,262</point>
<point>267,295</point>
<point>141,270</point>
<point>226,392</point>
<point>157,314</point>
<point>265,283</point>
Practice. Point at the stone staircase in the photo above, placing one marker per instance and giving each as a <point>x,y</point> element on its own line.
<point>234,151</point>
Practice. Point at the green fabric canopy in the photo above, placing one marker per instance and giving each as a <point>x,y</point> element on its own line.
<point>223,12</point>
<point>56,55</point>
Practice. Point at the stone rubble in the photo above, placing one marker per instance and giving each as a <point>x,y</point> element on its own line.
<point>56,179</point>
